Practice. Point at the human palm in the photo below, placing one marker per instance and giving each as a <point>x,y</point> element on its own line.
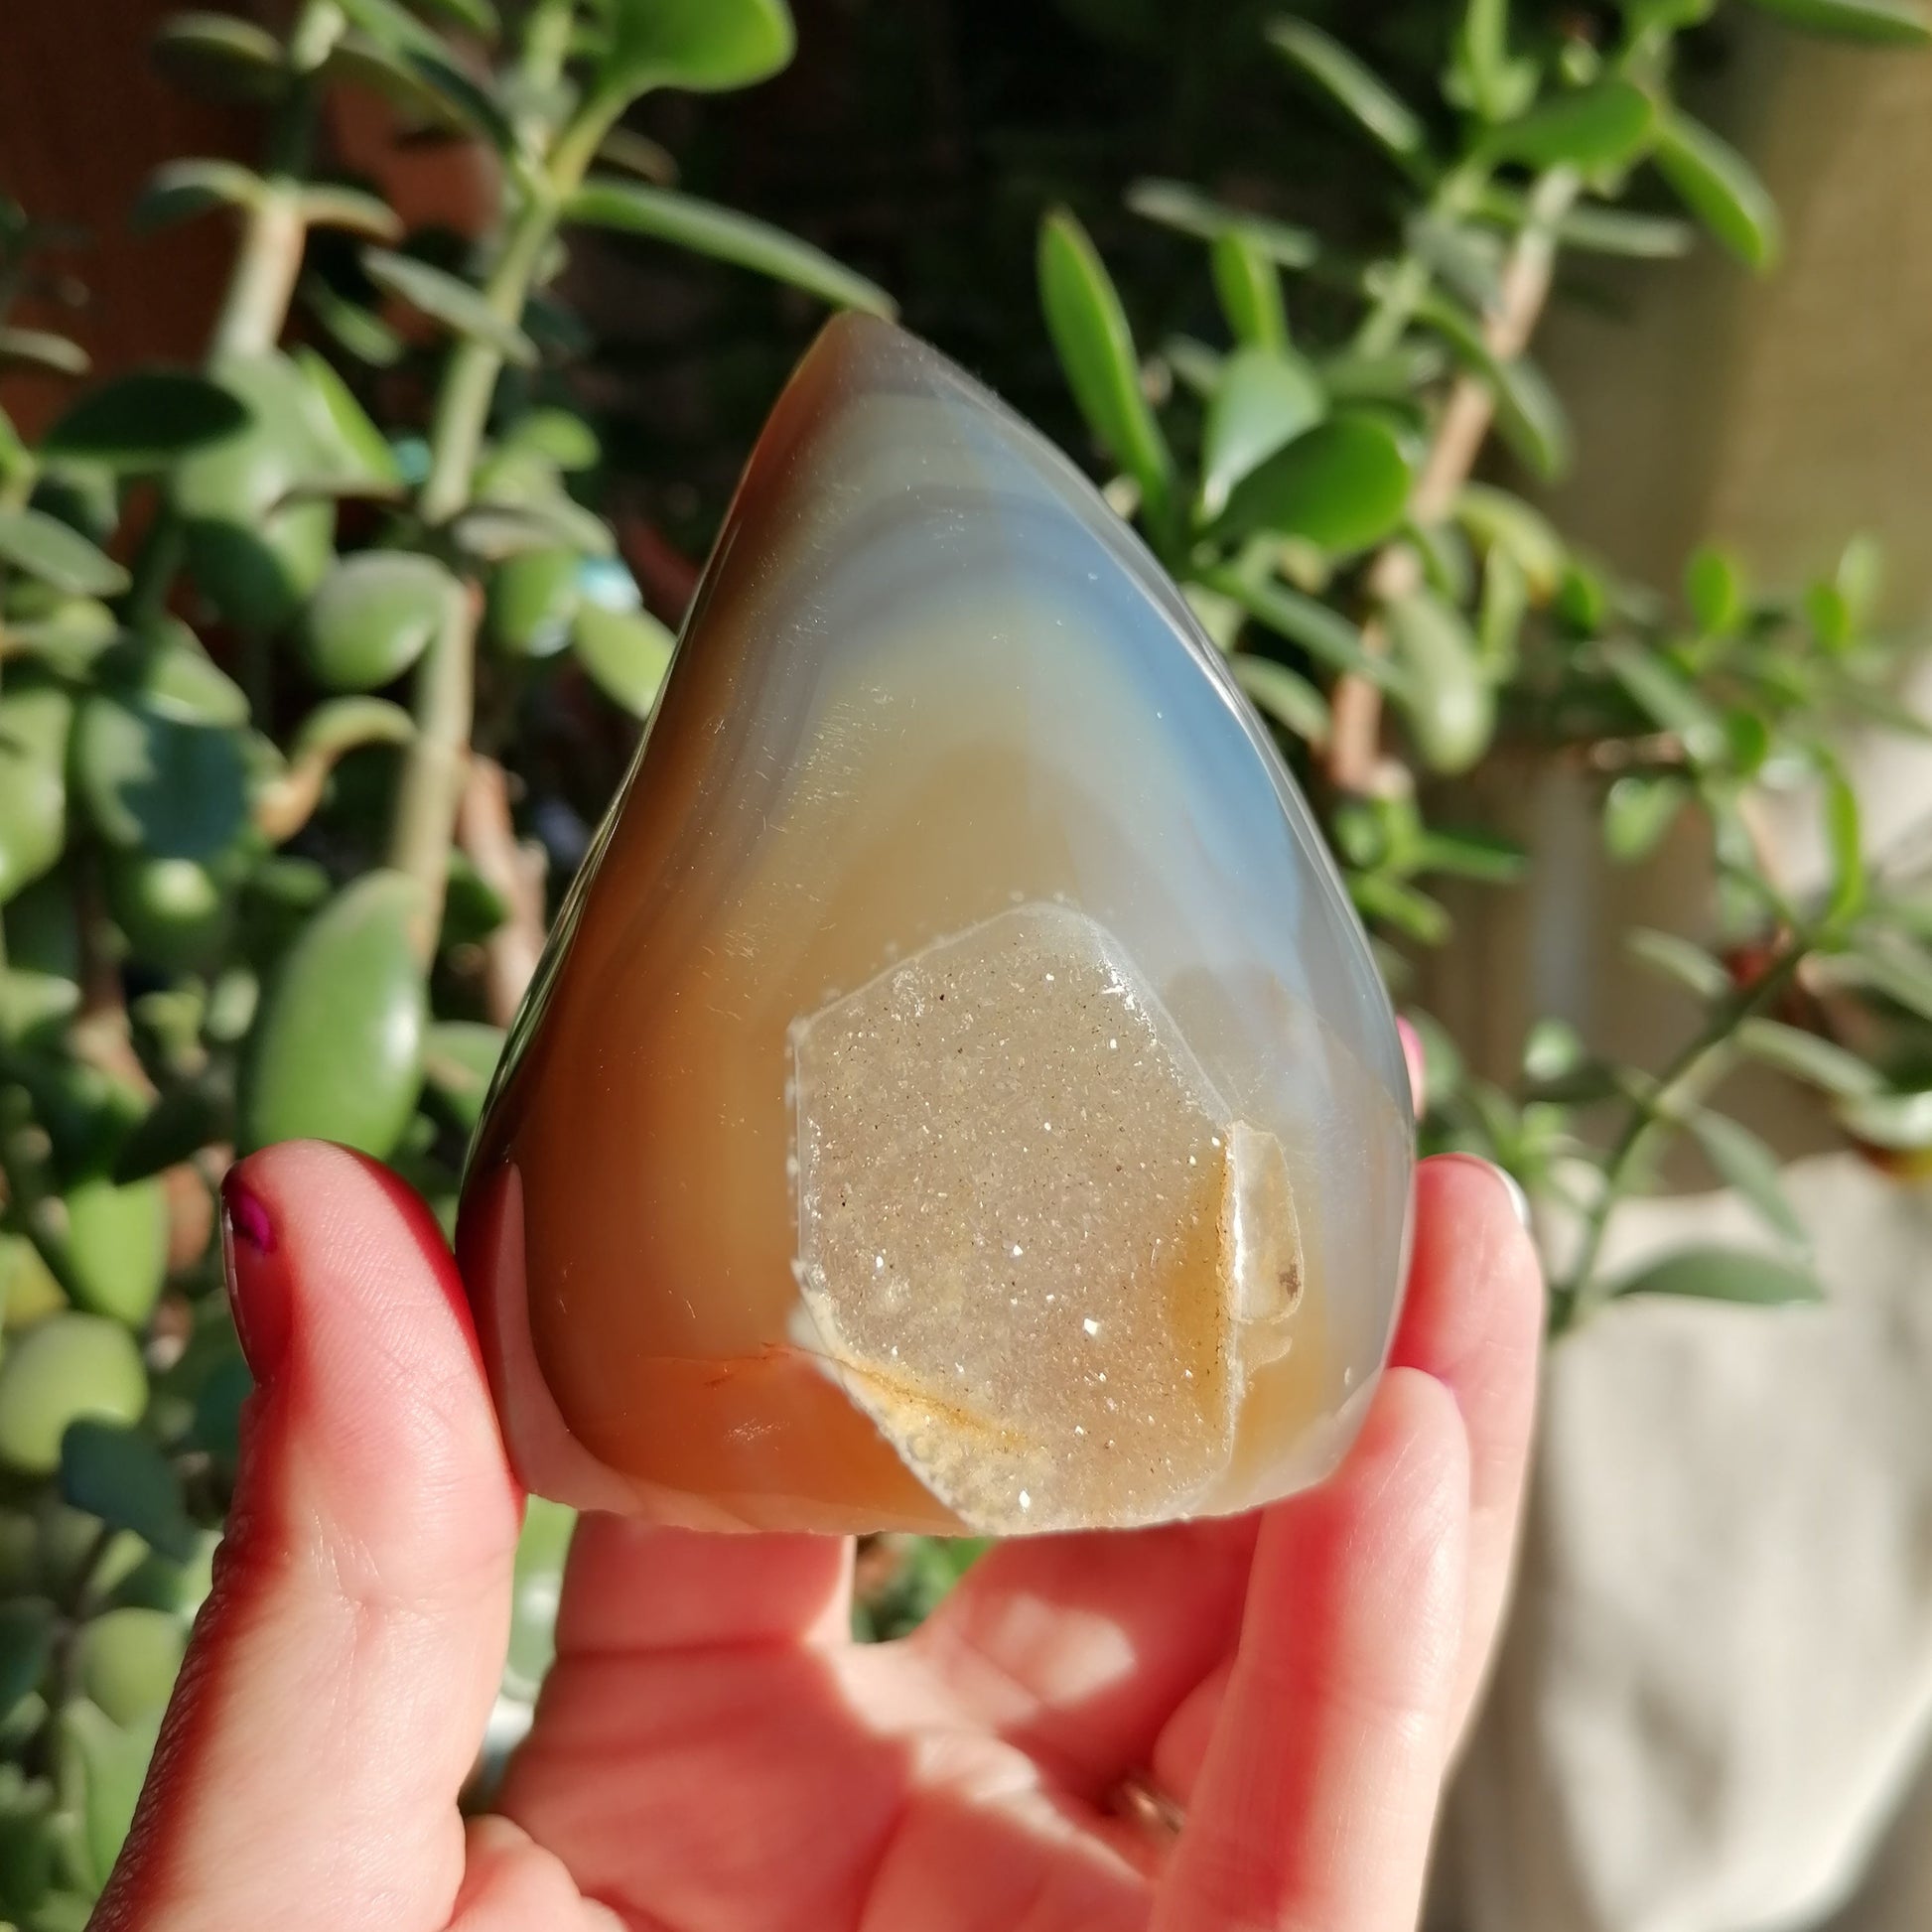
<point>1236,1723</point>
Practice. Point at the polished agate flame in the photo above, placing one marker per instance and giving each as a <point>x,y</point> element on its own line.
<point>958,1095</point>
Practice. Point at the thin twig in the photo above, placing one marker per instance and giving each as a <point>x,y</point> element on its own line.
<point>516,870</point>
<point>1578,1291</point>
<point>1522,291</point>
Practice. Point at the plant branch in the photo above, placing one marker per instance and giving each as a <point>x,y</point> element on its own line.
<point>516,870</point>
<point>261,288</point>
<point>1654,1114</point>
<point>433,768</point>
<point>443,704</point>
<point>1523,291</point>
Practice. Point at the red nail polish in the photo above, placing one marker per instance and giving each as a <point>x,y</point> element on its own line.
<point>258,1288</point>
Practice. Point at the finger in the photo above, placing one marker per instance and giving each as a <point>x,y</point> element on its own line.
<point>631,1588</point>
<point>1077,1649</point>
<point>1416,1062</point>
<point>1475,1321</point>
<point>1317,1794</point>
<point>339,1676</point>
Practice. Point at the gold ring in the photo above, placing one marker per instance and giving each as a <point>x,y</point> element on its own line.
<point>1138,1798</point>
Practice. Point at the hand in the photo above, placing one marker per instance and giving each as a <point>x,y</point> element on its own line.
<point>712,1752</point>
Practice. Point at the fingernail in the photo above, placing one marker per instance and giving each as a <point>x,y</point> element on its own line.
<point>1415,1060</point>
<point>259,1289</point>
<point>1519,1201</point>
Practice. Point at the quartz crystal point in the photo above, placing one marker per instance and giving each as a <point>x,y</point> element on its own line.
<point>958,1095</point>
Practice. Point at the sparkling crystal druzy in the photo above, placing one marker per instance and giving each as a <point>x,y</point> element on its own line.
<point>958,1094</point>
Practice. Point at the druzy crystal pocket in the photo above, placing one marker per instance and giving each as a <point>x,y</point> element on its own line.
<point>958,1094</point>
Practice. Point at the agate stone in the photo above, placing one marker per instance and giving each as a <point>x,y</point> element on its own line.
<point>957,1095</point>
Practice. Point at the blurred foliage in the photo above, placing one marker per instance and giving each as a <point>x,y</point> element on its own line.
<point>316,662</point>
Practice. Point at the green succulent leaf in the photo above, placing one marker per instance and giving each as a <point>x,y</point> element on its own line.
<point>637,154</point>
<point>219,57</point>
<point>494,531</point>
<point>1718,185</point>
<point>1807,1056</point>
<point>1285,696</point>
<point>477,17</point>
<point>1350,83</point>
<point>336,1053</point>
<point>1250,290</point>
<point>112,1254</point>
<point>356,330</point>
<point>29,1290</point>
<point>1844,840</point>
<point>1744,1164</point>
<point>472,103</point>
<point>449,300</point>
<point>1716,1274</point>
<point>704,45</point>
<point>557,437</point>
<point>1483,75</point>
<point>1095,346</point>
<point>179,191</point>
<point>126,1659</point>
<point>255,549</point>
<point>1394,903</point>
<point>47,549</point>
<point>28,1626</point>
<point>1174,205</point>
<point>329,204</point>
<point>35,721</point>
<point>1343,485</point>
<point>1324,633</point>
<point>118,1475</point>
<point>344,724</point>
<point>1264,400</point>
<point>1898,1122</point>
<point>143,422</point>
<point>625,652</point>
<point>1528,411</point>
<point>459,1061</point>
<point>705,228</point>
<point>1498,520</point>
<point>1638,811</point>
<point>540,1554</point>
<point>1446,699</point>
<point>1486,856</point>
<point>357,457</point>
<point>1665,695</point>
<point>1884,23</point>
<point>533,598</point>
<point>1622,231</point>
<point>152,779</point>
<point>1679,959</point>
<point>66,1369</point>
<point>1713,588</point>
<point>101,1768</point>
<point>373,617</point>
<point>391,24</point>
<point>1607,125</point>
<point>41,349</point>
<point>1900,974</point>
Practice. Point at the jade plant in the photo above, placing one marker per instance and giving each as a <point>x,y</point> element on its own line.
<point>265,669</point>
<point>1392,599</point>
<point>299,648</point>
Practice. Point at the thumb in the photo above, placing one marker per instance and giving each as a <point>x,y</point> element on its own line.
<point>340,1674</point>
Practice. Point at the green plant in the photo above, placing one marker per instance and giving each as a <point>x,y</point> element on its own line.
<point>1316,491</point>
<point>304,653</point>
<point>246,896</point>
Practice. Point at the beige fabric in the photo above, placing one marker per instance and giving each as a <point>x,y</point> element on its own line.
<point>1719,1670</point>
